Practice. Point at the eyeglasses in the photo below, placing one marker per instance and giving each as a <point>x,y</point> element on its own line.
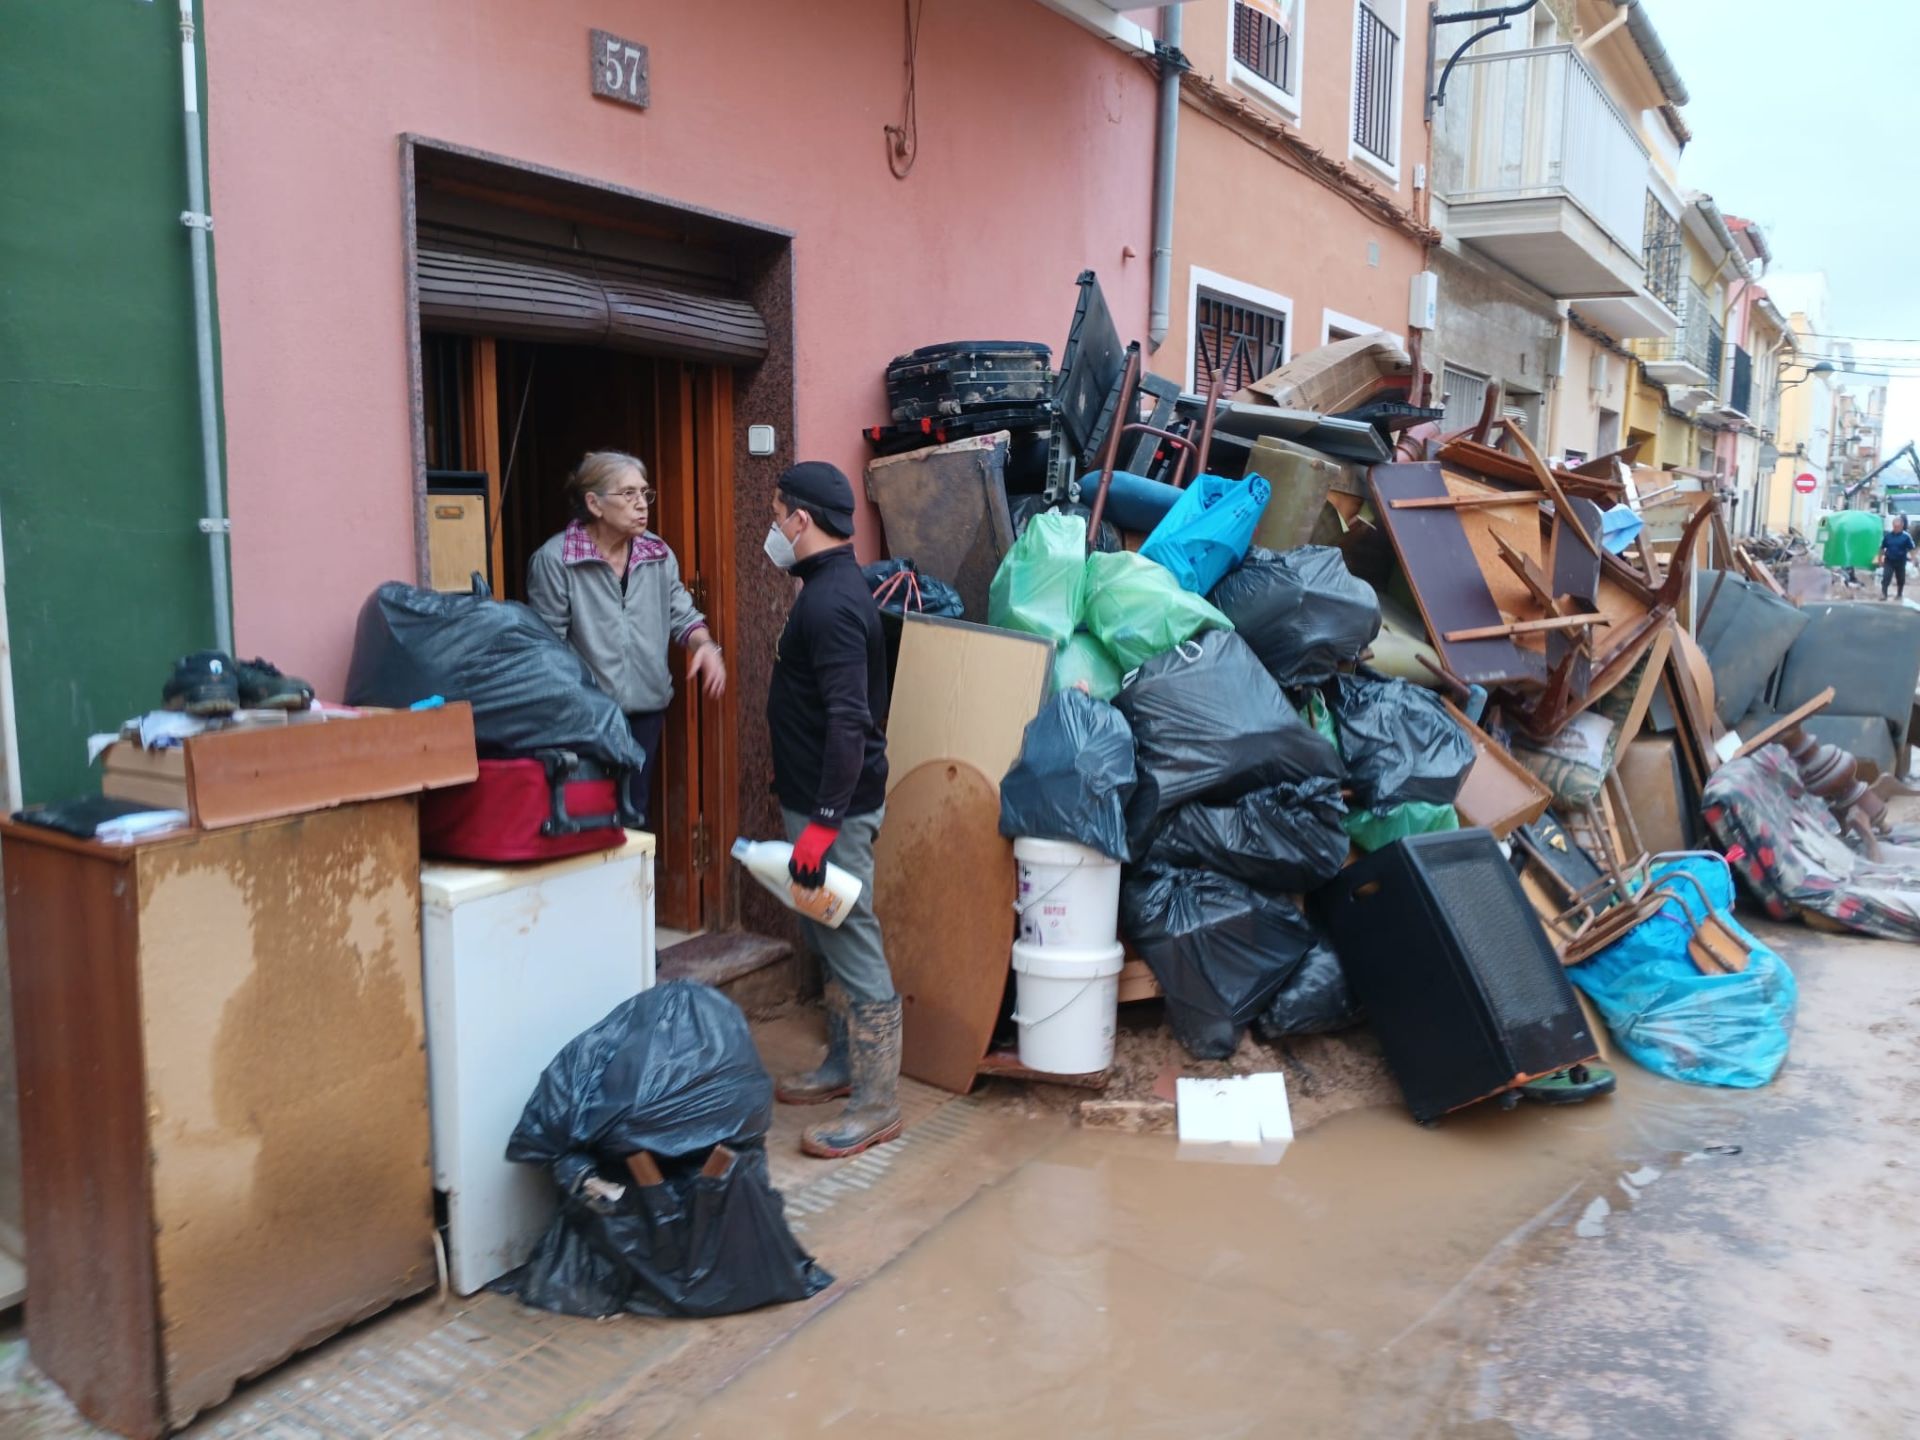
<point>643,494</point>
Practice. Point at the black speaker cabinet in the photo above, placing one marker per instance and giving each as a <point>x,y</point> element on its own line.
<point>1454,969</point>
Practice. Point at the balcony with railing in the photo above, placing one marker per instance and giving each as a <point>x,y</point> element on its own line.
<point>1541,171</point>
<point>1694,356</point>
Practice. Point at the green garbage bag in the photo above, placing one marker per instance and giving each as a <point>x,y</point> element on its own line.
<point>1083,662</point>
<point>1137,610</point>
<point>1376,829</point>
<point>1853,538</point>
<point>1037,588</point>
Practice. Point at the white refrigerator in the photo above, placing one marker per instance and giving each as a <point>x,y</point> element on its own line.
<point>519,959</point>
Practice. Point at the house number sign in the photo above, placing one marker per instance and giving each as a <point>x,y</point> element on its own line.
<point>619,68</point>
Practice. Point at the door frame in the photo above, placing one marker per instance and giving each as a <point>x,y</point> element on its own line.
<point>752,600</point>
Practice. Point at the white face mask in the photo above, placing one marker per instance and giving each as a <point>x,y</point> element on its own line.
<point>779,549</point>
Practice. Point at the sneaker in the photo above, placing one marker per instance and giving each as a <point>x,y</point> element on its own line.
<point>263,687</point>
<point>203,683</point>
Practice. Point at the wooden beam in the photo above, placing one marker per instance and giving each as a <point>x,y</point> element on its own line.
<point>1544,474</point>
<point>1790,721</point>
<point>1465,502</point>
<point>1525,627</point>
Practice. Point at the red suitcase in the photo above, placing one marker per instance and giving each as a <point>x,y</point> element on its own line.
<point>542,808</point>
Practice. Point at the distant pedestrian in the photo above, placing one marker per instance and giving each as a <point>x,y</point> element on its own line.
<point>1894,550</point>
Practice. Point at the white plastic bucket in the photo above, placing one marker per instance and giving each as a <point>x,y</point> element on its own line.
<point>1065,1003</point>
<point>1068,895</point>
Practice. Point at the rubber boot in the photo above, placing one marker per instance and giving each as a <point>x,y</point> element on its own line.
<point>832,1077</point>
<point>872,1116</point>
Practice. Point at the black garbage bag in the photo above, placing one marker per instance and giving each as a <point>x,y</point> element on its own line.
<point>1074,776</point>
<point>1302,611</point>
<point>1210,724</point>
<point>1315,999</point>
<point>1288,838</point>
<point>919,595</point>
<point>1218,947</point>
<point>1022,508</point>
<point>672,1072</point>
<point>528,689</point>
<point>693,1245</point>
<point>1399,741</point>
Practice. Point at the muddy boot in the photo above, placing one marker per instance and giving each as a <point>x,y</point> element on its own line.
<point>832,1078</point>
<point>872,1116</point>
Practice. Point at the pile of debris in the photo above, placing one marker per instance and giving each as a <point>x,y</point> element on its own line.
<point>1421,725</point>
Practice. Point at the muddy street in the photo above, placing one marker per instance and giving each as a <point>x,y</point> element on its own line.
<point>1676,1261</point>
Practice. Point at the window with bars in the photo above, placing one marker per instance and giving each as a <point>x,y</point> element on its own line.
<point>1264,46</point>
<point>1465,396</point>
<point>1376,70</point>
<point>1220,321</point>
<point>1663,254</point>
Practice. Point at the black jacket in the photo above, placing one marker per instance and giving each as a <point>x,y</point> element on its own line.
<point>828,701</point>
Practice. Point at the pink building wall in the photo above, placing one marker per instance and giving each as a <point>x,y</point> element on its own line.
<point>1246,214</point>
<point>1035,161</point>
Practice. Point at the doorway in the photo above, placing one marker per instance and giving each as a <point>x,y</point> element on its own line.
<point>506,421</point>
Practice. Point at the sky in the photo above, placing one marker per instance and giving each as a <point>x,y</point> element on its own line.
<point>1805,119</point>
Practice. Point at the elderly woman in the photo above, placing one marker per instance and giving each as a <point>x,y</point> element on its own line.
<point>611,589</point>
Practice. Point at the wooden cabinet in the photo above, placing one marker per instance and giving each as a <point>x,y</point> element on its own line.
<point>223,1099</point>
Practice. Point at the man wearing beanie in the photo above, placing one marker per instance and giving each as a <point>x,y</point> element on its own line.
<point>825,710</point>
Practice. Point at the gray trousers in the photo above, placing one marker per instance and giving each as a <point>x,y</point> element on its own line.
<point>853,953</point>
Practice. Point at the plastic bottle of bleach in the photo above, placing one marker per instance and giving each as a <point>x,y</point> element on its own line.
<point>766,861</point>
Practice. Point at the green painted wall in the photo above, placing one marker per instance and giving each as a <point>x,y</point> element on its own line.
<point>100,486</point>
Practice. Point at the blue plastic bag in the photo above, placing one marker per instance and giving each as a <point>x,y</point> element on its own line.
<point>1208,530</point>
<point>1704,1029</point>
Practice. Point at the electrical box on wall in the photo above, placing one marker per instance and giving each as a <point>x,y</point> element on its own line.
<point>1597,376</point>
<point>759,439</point>
<point>1423,301</point>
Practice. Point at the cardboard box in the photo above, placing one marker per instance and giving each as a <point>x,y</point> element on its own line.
<point>235,777</point>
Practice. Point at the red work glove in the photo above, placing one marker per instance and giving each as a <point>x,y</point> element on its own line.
<point>808,867</point>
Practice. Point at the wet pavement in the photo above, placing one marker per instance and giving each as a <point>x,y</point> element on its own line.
<point>1673,1262</point>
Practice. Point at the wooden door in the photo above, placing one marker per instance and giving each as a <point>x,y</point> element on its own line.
<point>697,767</point>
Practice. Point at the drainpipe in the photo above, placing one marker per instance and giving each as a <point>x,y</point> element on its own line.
<point>1166,152</point>
<point>199,226</point>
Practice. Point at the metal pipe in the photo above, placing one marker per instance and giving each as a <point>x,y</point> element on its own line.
<point>1665,74</point>
<point>199,227</point>
<point>1166,153</point>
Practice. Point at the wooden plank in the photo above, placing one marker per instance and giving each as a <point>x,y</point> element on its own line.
<point>1499,793</point>
<point>1791,720</point>
<point>239,776</point>
<point>1527,627</point>
<point>1648,771</point>
<point>963,692</point>
<point>1636,717</point>
<point>1469,502</point>
<point>1544,474</point>
<point>1448,582</point>
<point>949,945</point>
<point>484,407</point>
<point>675,518</point>
<point>71,947</point>
<point>1137,981</point>
<point>286,1087</point>
<point>718,576</point>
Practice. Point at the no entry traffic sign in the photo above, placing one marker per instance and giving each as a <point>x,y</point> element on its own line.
<point>1805,483</point>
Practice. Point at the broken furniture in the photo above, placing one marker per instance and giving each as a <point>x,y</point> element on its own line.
<point>1792,854</point>
<point>1870,656</point>
<point>223,1099</point>
<point>517,961</point>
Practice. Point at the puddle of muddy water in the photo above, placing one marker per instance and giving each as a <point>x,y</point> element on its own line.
<point>1111,1289</point>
